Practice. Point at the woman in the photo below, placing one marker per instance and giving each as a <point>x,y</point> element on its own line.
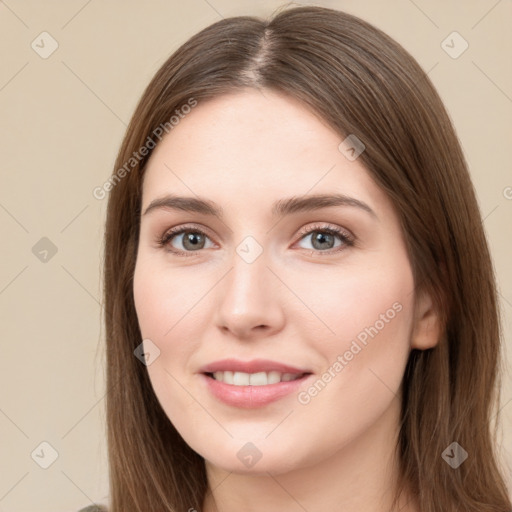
<point>301,311</point>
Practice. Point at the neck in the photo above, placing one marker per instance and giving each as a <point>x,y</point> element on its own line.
<point>361,475</point>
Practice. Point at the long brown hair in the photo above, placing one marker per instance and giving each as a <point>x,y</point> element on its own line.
<point>362,82</point>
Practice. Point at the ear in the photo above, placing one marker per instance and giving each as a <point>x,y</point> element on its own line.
<point>426,329</point>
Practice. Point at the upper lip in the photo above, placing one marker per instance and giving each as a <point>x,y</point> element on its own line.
<point>253,366</point>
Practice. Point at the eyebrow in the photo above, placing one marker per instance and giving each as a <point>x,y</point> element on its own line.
<point>281,207</point>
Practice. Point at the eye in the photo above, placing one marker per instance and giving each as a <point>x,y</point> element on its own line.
<point>191,238</point>
<point>323,238</point>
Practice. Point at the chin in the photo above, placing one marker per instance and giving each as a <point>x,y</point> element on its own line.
<point>258,459</point>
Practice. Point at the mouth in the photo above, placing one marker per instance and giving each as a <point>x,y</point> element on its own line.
<point>251,384</point>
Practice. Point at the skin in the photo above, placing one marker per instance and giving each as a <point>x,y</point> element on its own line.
<point>244,151</point>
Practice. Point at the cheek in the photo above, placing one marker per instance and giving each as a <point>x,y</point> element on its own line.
<point>160,302</point>
<point>168,311</point>
<point>370,310</point>
<point>355,302</point>
<point>163,298</point>
<point>363,338</point>
<point>374,306</point>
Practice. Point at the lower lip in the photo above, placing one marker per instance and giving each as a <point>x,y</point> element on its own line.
<point>251,397</point>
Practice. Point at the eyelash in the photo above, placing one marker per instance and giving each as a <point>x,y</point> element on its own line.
<point>347,239</point>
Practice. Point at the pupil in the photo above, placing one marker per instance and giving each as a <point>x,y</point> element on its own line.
<point>192,238</point>
<point>321,238</point>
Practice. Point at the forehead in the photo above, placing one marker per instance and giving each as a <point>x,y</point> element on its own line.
<point>253,145</point>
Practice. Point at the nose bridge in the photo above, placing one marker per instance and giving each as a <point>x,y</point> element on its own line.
<point>248,279</point>
<point>249,298</point>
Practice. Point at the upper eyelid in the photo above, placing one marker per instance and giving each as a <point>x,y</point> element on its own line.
<point>178,230</point>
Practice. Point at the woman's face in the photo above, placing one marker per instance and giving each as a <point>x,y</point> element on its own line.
<point>322,291</point>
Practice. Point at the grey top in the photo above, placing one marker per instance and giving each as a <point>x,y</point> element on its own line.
<point>92,508</point>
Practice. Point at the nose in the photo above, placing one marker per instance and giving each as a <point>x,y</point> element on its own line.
<point>250,305</point>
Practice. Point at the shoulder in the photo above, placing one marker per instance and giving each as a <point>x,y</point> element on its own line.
<point>93,508</point>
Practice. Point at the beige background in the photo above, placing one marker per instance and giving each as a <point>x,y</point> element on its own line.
<point>63,119</point>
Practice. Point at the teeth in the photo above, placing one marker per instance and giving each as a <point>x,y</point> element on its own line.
<point>273,377</point>
<point>240,379</point>
<point>258,379</point>
<point>254,379</point>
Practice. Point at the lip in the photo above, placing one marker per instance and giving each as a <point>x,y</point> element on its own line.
<point>251,397</point>
<point>253,366</point>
